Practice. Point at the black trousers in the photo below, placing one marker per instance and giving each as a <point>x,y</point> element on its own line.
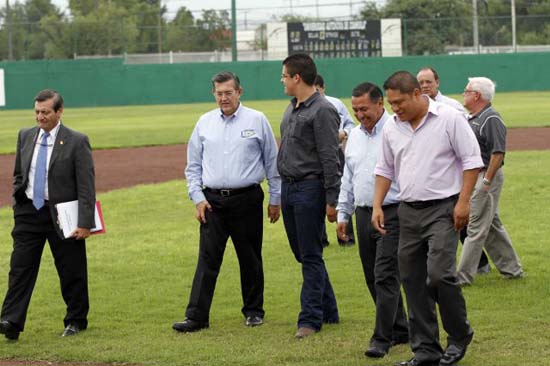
<point>427,264</point>
<point>240,217</point>
<point>30,232</point>
<point>378,255</point>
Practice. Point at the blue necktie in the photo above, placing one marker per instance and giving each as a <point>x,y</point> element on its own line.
<point>39,188</point>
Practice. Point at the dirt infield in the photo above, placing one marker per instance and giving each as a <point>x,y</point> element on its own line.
<point>132,166</point>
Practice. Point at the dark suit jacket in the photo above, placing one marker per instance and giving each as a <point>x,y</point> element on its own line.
<point>70,173</point>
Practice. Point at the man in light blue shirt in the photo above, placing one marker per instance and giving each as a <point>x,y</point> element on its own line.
<point>378,252</point>
<point>346,125</point>
<point>230,152</point>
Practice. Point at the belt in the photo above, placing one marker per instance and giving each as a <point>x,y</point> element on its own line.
<point>424,204</point>
<point>230,191</point>
<point>383,206</point>
<point>305,177</point>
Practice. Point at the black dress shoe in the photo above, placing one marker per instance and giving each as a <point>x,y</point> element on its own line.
<point>71,330</point>
<point>254,321</point>
<point>189,325</point>
<point>8,330</point>
<point>376,352</point>
<point>414,362</point>
<point>455,352</point>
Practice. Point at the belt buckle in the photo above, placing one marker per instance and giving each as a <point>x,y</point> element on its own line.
<point>225,192</point>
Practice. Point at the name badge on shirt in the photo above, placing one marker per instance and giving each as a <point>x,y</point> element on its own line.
<point>247,133</point>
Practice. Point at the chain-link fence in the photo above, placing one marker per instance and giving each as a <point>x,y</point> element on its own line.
<point>176,41</point>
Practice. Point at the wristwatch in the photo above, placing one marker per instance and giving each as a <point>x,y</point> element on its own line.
<point>486,182</point>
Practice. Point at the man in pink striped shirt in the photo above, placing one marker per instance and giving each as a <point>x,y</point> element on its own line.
<point>434,157</point>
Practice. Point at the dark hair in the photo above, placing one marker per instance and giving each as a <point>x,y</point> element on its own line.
<point>436,75</point>
<point>403,81</point>
<point>319,81</point>
<point>48,94</point>
<point>374,92</point>
<point>224,76</point>
<point>302,65</point>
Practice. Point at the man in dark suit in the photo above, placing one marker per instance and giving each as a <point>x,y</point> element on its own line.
<point>53,164</point>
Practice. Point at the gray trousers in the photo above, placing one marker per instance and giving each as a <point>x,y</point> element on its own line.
<point>427,264</point>
<point>486,228</point>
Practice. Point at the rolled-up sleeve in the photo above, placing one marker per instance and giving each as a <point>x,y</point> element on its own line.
<point>385,164</point>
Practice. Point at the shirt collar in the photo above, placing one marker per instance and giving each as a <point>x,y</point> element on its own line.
<point>432,107</point>
<point>308,101</point>
<point>472,116</point>
<point>53,133</point>
<point>378,126</point>
<point>235,114</point>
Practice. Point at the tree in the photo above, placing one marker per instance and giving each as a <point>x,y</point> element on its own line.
<point>430,25</point>
<point>214,30</point>
<point>181,32</point>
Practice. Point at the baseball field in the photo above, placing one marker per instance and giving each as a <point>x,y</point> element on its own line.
<point>140,271</point>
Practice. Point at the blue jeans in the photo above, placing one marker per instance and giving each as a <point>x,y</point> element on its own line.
<point>303,207</point>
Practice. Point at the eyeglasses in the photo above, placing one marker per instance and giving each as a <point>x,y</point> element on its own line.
<point>466,91</point>
<point>227,94</point>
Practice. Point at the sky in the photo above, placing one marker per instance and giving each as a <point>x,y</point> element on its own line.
<point>254,12</point>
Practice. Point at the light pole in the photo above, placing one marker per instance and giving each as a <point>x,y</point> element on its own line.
<point>8,28</point>
<point>233,30</point>
<point>160,29</point>
<point>514,43</point>
<point>475,26</point>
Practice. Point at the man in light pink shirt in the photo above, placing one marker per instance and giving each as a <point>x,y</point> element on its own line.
<point>428,149</point>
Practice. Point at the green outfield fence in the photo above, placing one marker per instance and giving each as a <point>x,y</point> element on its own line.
<point>108,82</point>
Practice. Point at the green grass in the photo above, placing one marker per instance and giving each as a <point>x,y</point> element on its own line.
<point>112,127</point>
<point>140,274</point>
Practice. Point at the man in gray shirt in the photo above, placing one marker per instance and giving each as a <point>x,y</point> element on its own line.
<point>485,225</point>
<point>310,171</point>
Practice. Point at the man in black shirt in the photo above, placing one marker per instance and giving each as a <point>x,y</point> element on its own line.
<point>310,171</point>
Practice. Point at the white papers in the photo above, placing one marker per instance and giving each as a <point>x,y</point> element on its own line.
<point>67,217</point>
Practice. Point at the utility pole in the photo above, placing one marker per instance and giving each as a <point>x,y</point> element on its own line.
<point>159,25</point>
<point>8,27</point>
<point>317,8</point>
<point>514,43</point>
<point>475,27</point>
<point>233,30</point>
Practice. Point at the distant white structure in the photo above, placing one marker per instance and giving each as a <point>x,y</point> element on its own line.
<point>2,89</point>
<point>390,30</point>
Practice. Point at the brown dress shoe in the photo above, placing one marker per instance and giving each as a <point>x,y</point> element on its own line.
<point>305,332</point>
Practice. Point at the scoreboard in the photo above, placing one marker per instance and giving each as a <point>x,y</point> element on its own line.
<point>342,39</point>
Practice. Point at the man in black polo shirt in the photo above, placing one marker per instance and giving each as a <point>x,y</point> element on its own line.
<point>485,225</point>
<point>309,167</point>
